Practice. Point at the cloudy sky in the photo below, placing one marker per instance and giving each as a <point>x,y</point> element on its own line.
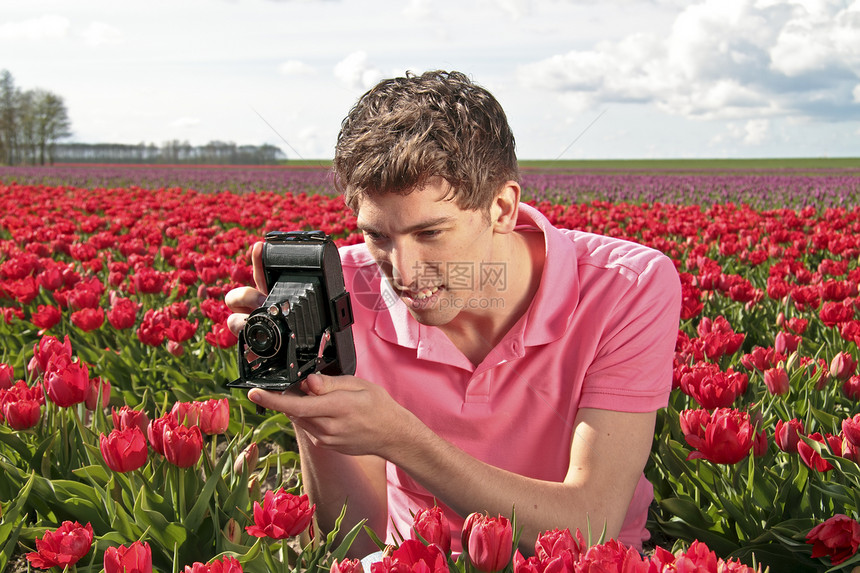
<point>579,79</point>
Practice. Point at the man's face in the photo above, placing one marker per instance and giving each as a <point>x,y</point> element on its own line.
<point>430,250</point>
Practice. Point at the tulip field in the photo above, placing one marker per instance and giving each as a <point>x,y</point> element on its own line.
<point>121,449</point>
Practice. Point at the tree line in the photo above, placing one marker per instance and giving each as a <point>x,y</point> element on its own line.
<point>171,152</point>
<point>32,123</point>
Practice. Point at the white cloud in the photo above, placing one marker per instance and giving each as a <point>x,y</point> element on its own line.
<point>185,122</point>
<point>756,131</point>
<point>737,59</point>
<point>100,33</point>
<point>295,68</point>
<point>355,71</point>
<point>49,26</point>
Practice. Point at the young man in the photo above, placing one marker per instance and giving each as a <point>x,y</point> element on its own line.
<point>503,364</point>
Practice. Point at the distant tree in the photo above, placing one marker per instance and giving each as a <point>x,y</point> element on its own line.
<point>8,118</point>
<point>52,123</point>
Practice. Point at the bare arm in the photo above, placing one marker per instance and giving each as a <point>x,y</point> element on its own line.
<point>330,479</point>
<point>608,453</point>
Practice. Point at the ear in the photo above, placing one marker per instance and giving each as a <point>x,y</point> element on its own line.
<point>506,207</point>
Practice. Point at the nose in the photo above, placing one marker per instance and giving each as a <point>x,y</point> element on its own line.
<point>405,265</point>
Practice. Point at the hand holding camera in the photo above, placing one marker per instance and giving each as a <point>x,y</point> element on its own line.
<point>304,324</point>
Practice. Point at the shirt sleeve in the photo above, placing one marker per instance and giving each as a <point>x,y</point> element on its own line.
<point>632,367</point>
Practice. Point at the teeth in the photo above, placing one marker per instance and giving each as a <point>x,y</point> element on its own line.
<point>427,292</point>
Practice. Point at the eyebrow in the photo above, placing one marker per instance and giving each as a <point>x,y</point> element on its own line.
<point>365,227</point>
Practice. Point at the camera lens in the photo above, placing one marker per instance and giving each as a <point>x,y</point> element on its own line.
<point>263,336</point>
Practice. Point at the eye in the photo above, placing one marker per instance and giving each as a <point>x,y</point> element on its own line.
<point>373,236</point>
<point>430,234</point>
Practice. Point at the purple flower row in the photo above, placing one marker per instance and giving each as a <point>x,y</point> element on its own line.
<point>757,188</point>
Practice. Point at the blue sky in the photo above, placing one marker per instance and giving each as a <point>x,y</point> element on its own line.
<point>579,79</point>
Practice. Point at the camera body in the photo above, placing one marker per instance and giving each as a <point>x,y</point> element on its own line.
<point>305,324</point>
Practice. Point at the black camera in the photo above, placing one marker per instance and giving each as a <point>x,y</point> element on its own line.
<point>305,324</point>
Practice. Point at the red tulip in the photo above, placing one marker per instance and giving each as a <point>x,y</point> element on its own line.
<point>214,416</point>
<point>182,445</point>
<point>123,313</point>
<point>489,542</point>
<point>694,422</point>
<point>66,382</point>
<point>21,414</point>
<point>225,565</point>
<point>220,336</point>
<point>843,366</point>
<point>125,418</point>
<point>713,388</point>
<point>837,538</point>
<point>43,350</point>
<point>555,543</point>
<point>851,429</point>
<point>787,435</point>
<point>728,437</point>
<point>98,386</point>
<point>88,319</point>
<point>433,527</point>
<point>155,431</point>
<point>187,413</point>
<point>136,558</point>
<point>281,515</point>
<point>62,547</point>
<point>124,450</point>
<point>7,376</point>
<point>812,458</point>
<point>346,566</point>
<point>46,317</point>
<point>776,380</point>
<point>851,387</point>
<point>180,330</point>
<point>413,557</point>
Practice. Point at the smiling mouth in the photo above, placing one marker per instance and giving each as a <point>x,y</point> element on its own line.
<point>422,297</point>
<point>424,293</point>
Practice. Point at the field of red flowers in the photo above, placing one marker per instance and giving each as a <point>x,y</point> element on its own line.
<point>116,428</point>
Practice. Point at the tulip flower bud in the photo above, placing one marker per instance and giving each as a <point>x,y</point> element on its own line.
<point>851,387</point>
<point>843,366</point>
<point>780,319</point>
<point>247,459</point>
<point>175,348</point>
<point>489,543</point>
<point>851,429</point>
<point>233,531</point>
<point>254,488</point>
<point>787,435</point>
<point>779,343</point>
<point>792,360</point>
<point>433,527</point>
<point>776,380</point>
<point>7,376</point>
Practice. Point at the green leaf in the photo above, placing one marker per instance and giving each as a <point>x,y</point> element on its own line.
<point>195,516</point>
<point>687,511</point>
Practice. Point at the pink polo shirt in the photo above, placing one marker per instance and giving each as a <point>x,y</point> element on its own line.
<point>599,333</point>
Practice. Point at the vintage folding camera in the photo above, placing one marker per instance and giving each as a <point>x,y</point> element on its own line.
<point>305,324</point>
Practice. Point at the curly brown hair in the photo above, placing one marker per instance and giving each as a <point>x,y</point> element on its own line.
<point>407,130</point>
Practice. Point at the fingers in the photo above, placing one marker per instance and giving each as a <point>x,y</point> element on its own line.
<point>320,384</point>
<point>244,299</point>
<point>256,254</point>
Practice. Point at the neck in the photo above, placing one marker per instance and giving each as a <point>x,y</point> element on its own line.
<point>477,332</point>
